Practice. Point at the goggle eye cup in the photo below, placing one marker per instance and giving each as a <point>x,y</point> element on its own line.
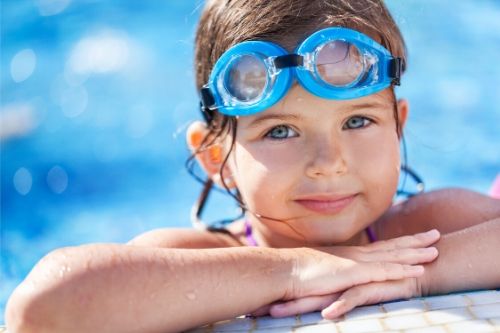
<point>246,78</point>
<point>339,63</point>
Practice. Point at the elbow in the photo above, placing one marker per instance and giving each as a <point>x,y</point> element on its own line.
<point>21,316</point>
<point>36,304</point>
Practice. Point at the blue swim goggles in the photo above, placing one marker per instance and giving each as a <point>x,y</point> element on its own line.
<point>332,63</point>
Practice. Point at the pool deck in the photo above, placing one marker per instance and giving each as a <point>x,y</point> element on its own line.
<point>471,312</point>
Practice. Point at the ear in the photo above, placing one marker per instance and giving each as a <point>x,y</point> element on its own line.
<point>403,110</point>
<point>210,157</point>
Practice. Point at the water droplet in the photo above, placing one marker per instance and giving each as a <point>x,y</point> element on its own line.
<point>191,296</point>
<point>63,271</point>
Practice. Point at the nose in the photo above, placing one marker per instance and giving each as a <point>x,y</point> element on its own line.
<point>325,158</point>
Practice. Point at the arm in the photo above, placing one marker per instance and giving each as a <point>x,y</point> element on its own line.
<point>468,259</point>
<point>119,288</point>
<point>470,224</point>
<point>447,210</point>
<point>123,288</point>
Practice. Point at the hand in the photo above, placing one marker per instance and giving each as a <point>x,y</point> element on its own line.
<point>401,250</point>
<point>335,305</point>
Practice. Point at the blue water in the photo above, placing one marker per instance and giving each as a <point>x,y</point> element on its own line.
<point>98,150</point>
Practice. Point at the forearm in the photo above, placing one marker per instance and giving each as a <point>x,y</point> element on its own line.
<point>119,288</point>
<point>468,259</point>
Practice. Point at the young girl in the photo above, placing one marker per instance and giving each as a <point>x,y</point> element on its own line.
<point>303,128</point>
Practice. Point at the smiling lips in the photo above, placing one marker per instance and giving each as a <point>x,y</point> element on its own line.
<point>325,204</point>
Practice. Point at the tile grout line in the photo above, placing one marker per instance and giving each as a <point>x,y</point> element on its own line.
<point>384,311</point>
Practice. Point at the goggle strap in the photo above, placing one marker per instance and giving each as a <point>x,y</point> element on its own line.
<point>207,98</point>
<point>205,112</point>
<point>207,101</point>
<point>288,60</point>
<point>396,68</point>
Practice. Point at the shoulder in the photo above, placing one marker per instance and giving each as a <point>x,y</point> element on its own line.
<point>187,238</point>
<point>447,210</point>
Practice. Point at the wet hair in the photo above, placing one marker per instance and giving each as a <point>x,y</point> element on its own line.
<point>225,23</point>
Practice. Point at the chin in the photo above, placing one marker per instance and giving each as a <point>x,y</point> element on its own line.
<point>332,237</point>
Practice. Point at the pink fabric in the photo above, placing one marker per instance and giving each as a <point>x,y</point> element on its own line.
<point>495,188</point>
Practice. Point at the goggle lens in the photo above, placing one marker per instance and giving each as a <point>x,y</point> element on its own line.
<point>339,63</point>
<point>246,78</point>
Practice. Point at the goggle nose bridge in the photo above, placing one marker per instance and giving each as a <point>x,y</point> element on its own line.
<point>288,60</point>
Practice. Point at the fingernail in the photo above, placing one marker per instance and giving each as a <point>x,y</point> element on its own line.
<point>433,233</point>
<point>418,269</point>
<point>331,312</point>
<point>431,250</point>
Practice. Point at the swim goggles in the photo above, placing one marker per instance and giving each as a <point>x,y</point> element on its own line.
<point>332,63</point>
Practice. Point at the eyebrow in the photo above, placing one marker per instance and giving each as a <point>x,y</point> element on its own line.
<point>265,117</point>
<point>372,105</point>
<point>287,117</point>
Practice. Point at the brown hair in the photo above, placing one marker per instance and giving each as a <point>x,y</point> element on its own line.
<point>224,23</point>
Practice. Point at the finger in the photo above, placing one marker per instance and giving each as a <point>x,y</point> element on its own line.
<point>362,273</point>
<point>418,240</point>
<point>302,305</point>
<point>370,294</point>
<point>403,256</point>
<point>262,311</point>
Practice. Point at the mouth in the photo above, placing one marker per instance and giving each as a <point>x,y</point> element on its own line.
<point>326,204</point>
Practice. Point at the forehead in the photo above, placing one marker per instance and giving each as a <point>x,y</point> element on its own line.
<point>298,98</point>
<point>300,104</point>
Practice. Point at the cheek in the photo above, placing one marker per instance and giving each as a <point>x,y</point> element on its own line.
<point>261,175</point>
<point>378,164</point>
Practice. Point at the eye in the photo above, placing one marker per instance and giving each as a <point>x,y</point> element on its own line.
<point>281,132</point>
<point>357,122</point>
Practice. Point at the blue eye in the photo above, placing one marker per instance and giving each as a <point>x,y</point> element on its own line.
<point>357,122</point>
<point>281,132</point>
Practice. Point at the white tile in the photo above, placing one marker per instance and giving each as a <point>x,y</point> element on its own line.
<point>365,312</point>
<point>405,321</point>
<point>446,302</point>
<point>430,329</point>
<point>360,326</point>
<point>486,311</point>
<point>495,322</point>
<point>484,297</point>
<point>270,322</point>
<point>404,307</point>
<point>470,326</point>
<point>236,324</point>
<point>272,330</point>
<point>324,328</point>
<point>310,318</point>
<point>445,316</point>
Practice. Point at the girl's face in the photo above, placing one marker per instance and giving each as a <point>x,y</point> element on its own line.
<point>325,168</point>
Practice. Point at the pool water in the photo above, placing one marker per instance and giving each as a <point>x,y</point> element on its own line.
<point>96,97</point>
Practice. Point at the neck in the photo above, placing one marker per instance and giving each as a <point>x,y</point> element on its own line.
<point>265,237</point>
